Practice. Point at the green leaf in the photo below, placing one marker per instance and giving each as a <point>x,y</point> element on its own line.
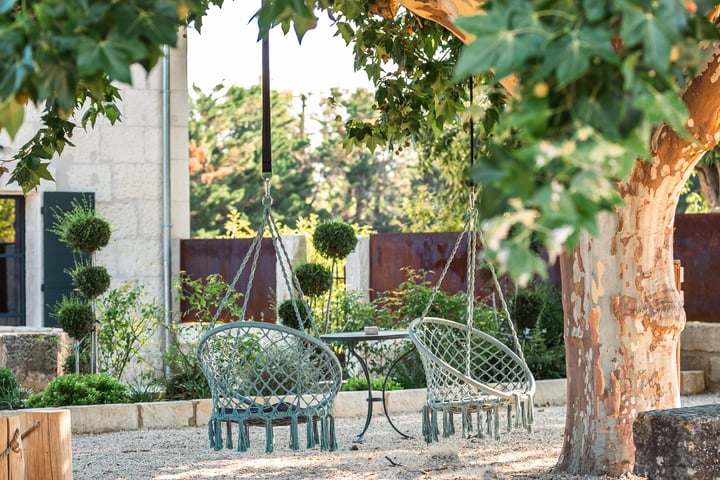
<point>594,9</point>
<point>668,107</point>
<point>11,116</point>
<point>115,63</point>
<point>504,39</point>
<point>642,27</point>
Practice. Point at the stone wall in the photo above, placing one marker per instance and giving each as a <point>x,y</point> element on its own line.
<point>700,350</point>
<point>35,355</point>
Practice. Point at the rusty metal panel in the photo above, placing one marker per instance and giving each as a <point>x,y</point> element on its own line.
<point>697,246</point>
<point>200,258</point>
<point>392,253</point>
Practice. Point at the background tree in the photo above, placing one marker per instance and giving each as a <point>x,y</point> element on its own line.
<point>225,150</point>
<point>359,185</point>
<point>708,178</point>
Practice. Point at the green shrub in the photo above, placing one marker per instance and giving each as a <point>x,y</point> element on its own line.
<point>314,279</point>
<point>90,280</point>
<point>80,228</point>
<point>12,395</point>
<point>354,384</point>
<point>204,296</point>
<point>286,312</point>
<point>538,314</point>
<point>80,389</point>
<point>334,240</point>
<point>74,315</point>
<point>126,328</point>
<point>185,380</point>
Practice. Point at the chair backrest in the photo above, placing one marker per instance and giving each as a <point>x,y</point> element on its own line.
<point>456,363</point>
<point>266,370</point>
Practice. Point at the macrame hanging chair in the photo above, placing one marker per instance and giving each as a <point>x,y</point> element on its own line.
<point>267,374</point>
<point>468,371</point>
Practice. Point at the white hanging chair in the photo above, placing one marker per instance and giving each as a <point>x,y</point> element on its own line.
<point>469,371</point>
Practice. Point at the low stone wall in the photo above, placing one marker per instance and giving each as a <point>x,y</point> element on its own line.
<point>700,350</point>
<point>35,355</point>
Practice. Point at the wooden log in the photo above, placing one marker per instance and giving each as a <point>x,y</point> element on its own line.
<point>47,444</point>
<point>12,463</point>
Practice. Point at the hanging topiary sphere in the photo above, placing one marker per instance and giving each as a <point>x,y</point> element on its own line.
<point>87,234</point>
<point>289,318</point>
<point>91,280</point>
<point>314,279</point>
<point>80,228</point>
<point>334,240</point>
<point>75,316</point>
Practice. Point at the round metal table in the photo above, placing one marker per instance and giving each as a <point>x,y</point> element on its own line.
<point>351,339</point>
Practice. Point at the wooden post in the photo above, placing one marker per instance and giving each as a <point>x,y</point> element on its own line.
<point>679,278</point>
<point>12,463</point>
<point>47,444</point>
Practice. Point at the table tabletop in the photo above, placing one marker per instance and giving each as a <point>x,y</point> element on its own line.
<point>361,336</point>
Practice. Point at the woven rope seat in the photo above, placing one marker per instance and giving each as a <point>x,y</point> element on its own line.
<point>467,370</point>
<point>480,380</point>
<point>270,375</point>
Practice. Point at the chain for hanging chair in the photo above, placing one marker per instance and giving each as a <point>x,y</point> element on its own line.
<point>291,282</point>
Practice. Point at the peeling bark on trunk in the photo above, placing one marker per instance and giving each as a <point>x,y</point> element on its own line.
<point>623,318</point>
<point>623,314</point>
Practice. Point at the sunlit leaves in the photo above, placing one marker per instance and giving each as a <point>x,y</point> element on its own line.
<point>504,38</point>
<point>12,114</point>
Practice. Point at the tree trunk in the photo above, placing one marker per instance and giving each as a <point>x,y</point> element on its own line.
<point>709,180</point>
<point>623,318</point>
<point>623,314</point>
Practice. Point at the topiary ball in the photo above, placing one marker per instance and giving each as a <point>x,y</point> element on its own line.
<point>314,279</point>
<point>80,228</point>
<point>334,240</point>
<point>91,280</point>
<point>87,234</point>
<point>75,315</point>
<point>289,318</point>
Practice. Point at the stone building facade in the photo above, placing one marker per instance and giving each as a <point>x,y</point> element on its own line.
<point>124,167</point>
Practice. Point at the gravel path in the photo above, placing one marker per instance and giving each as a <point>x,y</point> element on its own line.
<point>384,455</point>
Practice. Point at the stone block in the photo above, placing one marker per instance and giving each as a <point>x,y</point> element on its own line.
<point>203,410</point>
<point>678,443</point>
<point>404,401</point>
<point>714,369</point>
<point>171,414</point>
<point>692,382</point>
<point>104,418</point>
<point>551,392</point>
<point>35,355</point>
<point>700,337</point>
<point>354,404</point>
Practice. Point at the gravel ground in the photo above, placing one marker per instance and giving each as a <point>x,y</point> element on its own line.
<point>384,455</point>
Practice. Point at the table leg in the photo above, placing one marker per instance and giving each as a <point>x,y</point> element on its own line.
<point>366,372</point>
<point>387,376</point>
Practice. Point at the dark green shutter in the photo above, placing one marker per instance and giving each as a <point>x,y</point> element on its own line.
<point>57,257</point>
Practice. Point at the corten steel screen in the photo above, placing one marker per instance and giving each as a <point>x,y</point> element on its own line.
<point>697,246</point>
<point>392,253</point>
<point>200,258</point>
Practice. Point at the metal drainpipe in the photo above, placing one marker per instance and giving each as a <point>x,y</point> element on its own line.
<point>166,217</point>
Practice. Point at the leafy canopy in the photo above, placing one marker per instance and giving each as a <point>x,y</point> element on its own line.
<point>595,77</point>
